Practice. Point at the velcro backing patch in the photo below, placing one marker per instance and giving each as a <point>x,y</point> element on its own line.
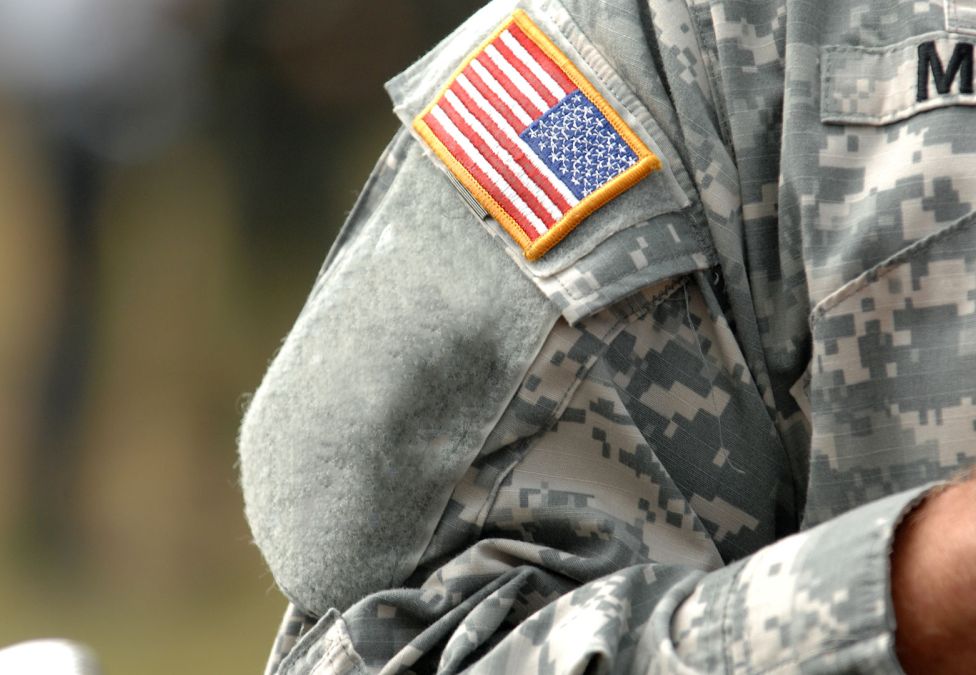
<point>530,138</point>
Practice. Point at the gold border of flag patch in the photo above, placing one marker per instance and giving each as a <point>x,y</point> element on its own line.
<point>647,162</point>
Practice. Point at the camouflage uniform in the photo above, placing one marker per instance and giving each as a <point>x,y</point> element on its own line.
<point>681,441</point>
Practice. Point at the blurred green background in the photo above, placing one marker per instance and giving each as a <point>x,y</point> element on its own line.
<point>172,173</point>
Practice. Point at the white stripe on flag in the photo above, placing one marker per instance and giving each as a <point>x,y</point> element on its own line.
<point>503,155</point>
<point>500,92</point>
<point>523,55</point>
<point>488,170</point>
<point>515,77</point>
<point>500,121</point>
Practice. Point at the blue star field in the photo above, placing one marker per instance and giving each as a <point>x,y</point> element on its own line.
<point>579,144</point>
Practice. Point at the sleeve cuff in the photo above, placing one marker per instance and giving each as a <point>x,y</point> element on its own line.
<point>816,602</point>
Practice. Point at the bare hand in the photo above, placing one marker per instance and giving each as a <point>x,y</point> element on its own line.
<point>933,578</point>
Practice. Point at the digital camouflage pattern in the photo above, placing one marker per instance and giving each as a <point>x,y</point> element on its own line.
<point>703,467</point>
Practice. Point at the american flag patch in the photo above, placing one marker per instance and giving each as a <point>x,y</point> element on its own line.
<point>530,138</point>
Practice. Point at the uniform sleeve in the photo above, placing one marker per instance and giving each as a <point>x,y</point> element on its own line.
<point>466,459</point>
<point>818,601</point>
<point>814,602</point>
<point>387,386</point>
<point>421,328</point>
<point>584,547</point>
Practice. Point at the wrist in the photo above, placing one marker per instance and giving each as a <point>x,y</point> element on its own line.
<point>933,583</point>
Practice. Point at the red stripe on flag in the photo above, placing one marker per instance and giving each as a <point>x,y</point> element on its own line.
<point>497,164</point>
<point>493,100</point>
<point>503,140</point>
<point>468,163</point>
<point>525,72</point>
<point>555,72</point>
<point>509,86</point>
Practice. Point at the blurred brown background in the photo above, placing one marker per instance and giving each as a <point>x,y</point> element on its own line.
<point>171,175</point>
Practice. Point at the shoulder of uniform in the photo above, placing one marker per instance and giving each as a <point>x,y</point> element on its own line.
<point>553,150</point>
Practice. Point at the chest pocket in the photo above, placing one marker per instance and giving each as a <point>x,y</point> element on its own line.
<point>891,268</point>
<point>896,161</point>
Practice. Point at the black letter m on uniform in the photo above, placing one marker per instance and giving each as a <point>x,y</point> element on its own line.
<point>929,62</point>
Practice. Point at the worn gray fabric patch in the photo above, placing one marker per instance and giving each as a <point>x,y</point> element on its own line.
<point>411,346</point>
